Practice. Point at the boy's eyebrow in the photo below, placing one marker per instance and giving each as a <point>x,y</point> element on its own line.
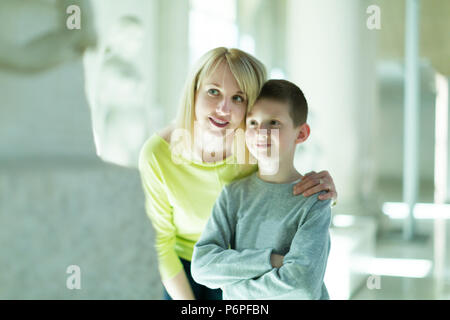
<point>270,116</point>
<point>218,85</point>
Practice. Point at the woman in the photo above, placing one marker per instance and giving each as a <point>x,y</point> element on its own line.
<point>180,194</point>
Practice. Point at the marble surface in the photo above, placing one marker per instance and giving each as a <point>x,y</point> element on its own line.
<point>89,214</point>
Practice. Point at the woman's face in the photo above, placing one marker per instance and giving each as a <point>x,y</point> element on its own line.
<point>220,105</point>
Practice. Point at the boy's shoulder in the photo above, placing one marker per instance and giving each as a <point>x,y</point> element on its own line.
<point>313,203</point>
<point>247,186</point>
<point>315,197</point>
<point>241,183</point>
<point>237,187</point>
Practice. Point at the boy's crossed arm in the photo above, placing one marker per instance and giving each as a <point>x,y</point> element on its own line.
<point>259,273</point>
<point>301,275</point>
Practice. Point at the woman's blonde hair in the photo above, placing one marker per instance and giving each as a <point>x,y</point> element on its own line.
<point>248,71</point>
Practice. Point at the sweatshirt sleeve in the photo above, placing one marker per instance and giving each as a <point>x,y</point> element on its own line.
<point>160,213</point>
<point>214,263</point>
<point>301,275</point>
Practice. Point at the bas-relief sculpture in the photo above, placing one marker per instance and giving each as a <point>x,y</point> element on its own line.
<point>120,95</point>
<point>57,211</point>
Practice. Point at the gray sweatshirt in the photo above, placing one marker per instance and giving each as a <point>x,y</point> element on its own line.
<point>252,219</point>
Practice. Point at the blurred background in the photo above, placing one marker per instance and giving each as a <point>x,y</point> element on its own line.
<point>82,87</point>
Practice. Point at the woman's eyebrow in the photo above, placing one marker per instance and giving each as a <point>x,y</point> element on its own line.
<point>218,85</point>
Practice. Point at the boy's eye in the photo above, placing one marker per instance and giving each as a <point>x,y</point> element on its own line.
<point>251,122</point>
<point>274,122</point>
<point>213,92</point>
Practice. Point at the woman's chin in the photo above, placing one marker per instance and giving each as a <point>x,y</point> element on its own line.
<point>220,132</point>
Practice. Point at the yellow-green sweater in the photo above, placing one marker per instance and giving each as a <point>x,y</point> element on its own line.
<point>180,197</point>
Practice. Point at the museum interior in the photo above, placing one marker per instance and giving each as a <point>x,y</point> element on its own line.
<point>83,84</point>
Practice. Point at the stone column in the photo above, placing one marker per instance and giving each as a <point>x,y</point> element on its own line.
<point>331,56</point>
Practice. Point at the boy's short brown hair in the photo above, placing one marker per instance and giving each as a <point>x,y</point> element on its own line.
<point>286,91</point>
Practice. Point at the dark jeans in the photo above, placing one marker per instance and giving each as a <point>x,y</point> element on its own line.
<point>200,292</point>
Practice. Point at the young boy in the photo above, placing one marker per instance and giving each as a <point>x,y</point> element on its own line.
<point>261,241</point>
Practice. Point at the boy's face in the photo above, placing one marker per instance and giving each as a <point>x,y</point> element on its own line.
<point>270,133</point>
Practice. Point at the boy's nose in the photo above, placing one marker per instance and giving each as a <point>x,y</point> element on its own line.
<point>263,132</point>
<point>265,126</point>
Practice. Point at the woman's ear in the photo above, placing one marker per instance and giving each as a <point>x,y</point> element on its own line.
<point>303,133</point>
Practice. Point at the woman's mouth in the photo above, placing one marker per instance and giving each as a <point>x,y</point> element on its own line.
<point>218,122</point>
<point>263,145</point>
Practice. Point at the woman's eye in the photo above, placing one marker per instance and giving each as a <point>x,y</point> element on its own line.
<point>274,122</point>
<point>213,92</point>
<point>238,99</point>
<point>251,122</point>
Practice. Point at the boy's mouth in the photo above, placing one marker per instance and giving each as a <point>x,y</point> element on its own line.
<point>263,145</point>
<point>218,122</point>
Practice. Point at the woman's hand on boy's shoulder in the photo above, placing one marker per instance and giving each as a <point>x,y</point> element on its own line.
<point>314,182</point>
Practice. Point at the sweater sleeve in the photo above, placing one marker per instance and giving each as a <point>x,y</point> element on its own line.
<point>214,263</point>
<point>160,213</point>
<point>301,275</point>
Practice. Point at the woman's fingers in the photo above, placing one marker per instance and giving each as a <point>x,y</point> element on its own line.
<point>316,189</point>
<point>309,180</point>
<point>310,173</point>
<point>313,182</point>
<point>332,193</point>
<point>328,195</point>
<point>305,184</point>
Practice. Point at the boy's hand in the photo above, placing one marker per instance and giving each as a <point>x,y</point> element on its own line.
<point>276,260</point>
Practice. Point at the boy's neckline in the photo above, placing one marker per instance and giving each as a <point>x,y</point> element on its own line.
<point>278,183</point>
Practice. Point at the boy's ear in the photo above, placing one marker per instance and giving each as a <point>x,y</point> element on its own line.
<point>303,134</point>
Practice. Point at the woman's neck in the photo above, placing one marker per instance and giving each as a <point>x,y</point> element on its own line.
<point>209,148</point>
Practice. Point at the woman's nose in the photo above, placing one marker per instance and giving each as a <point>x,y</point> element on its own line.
<point>223,107</point>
